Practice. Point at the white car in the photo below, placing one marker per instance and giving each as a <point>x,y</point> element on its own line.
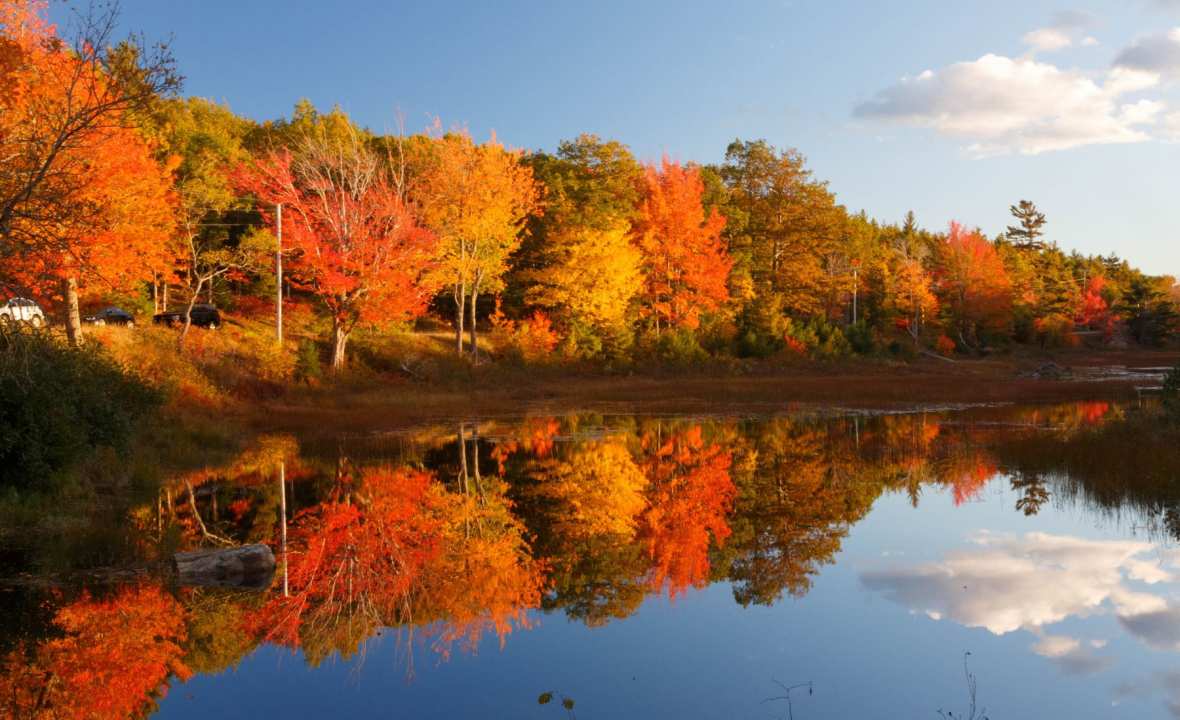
<point>20,309</point>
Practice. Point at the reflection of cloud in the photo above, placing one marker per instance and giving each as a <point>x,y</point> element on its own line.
<point>1159,628</point>
<point>1069,655</point>
<point>1167,682</point>
<point>1006,584</point>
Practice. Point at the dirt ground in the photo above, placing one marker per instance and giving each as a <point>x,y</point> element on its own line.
<point>871,385</point>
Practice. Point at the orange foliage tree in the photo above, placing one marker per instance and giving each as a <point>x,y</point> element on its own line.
<point>355,242</point>
<point>71,165</point>
<point>684,260</point>
<point>477,198</point>
<point>114,656</point>
<point>974,286</point>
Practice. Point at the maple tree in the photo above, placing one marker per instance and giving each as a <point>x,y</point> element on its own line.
<point>685,263</point>
<point>355,242</point>
<point>477,199</point>
<point>974,286</point>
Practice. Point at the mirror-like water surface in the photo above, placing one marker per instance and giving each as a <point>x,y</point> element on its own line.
<point>821,567</point>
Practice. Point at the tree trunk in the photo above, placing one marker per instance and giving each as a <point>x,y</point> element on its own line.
<point>188,314</point>
<point>73,319</point>
<point>339,342</point>
<point>248,566</point>
<point>460,295</point>
<point>164,295</point>
<point>474,335</point>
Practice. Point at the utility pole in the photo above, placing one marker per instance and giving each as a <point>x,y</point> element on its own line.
<point>855,287</point>
<point>279,274</point>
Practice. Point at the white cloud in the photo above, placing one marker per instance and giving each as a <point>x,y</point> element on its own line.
<point>1158,53</point>
<point>1047,39</point>
<point>1065,30</point>
<point>1003,105</point>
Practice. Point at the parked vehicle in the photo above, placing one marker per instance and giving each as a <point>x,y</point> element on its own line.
<point>202,315</point>
<point>20,309</point>
<point>111,316</point>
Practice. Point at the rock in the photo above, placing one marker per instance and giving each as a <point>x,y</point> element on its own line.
<point>1049,371</point>
<point>248,566</point>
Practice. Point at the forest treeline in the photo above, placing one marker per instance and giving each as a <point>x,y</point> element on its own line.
<point>116,189</point>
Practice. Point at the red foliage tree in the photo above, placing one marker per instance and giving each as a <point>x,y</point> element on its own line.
<point>974,286</point>
<point>354,241</point>
<point>685,262</point>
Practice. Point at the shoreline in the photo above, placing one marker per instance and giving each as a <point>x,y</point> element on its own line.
<point>853,386</point>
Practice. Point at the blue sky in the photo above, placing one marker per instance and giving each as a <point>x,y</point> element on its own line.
<point>1072,106</point>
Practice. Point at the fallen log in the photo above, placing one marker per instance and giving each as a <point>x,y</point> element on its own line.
<point>248,566</point>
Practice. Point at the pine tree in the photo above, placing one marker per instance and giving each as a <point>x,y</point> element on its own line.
<point>1027,234</point>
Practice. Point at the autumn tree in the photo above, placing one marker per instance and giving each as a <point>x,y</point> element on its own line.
<point>355,243</point>
<point>783,224</point>
<point>592,192</point>
<point>589,282</point>
<point>128,205</point>
<point>685,263</point>
<point>62,104</point>
<point>1027,232</point>
<point>477,199</point>
<point>912,297</point>
<point>973,286</point>
<point>209,243</point>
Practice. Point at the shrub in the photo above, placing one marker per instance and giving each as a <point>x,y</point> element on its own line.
<point>530,340</point>
<point>1055,331</point>
<point>59,403</point>
<point>944,345</point>
<point>679,347</point>
<point>817,337</point>
<point>860,338</point>
<point>307,362</point>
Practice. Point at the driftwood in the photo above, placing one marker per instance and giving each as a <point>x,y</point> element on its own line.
<point>248,566</point>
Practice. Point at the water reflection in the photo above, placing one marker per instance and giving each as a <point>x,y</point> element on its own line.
<point>448,536</point>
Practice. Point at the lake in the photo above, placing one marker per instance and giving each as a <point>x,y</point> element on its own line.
<point>818,565</point>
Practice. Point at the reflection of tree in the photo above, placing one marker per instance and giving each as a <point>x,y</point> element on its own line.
<point>398,550</point>
<point>1033,493</point>
<point>114,656</point>
<point>691,497</point>
<point>586,502</point>
<point>794,509</point>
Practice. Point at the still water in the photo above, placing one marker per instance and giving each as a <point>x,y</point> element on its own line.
<point>825,566</point>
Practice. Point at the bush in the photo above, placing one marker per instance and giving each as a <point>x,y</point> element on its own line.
<point>58,403</point>
<point>944,345</point>
<point>817,337</point>
<point>860,338</point>
<point>1055,331</point>
<point>531,340</point>
<point>307,362</point>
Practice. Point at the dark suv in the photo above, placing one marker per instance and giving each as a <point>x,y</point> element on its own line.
<point>202,315</point>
